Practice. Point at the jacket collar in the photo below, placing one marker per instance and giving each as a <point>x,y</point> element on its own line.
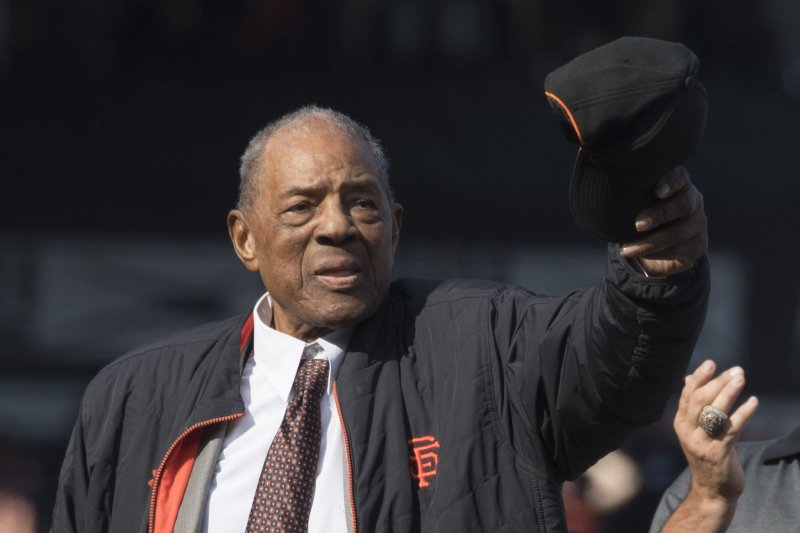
<point>784,448</point>
<point>370,336</point>
<point>214,389</point>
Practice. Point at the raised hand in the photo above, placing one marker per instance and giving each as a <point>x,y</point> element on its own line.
<point>717,475</point>
<point>676,226</point>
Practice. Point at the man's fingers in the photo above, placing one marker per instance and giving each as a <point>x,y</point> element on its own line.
<point>701,375</point>
<point>671,236</point>
<point>693,381</point>
<point>740,417</point>
<point>728,394</point>
<point>673,181</point>
<point>680,205</point>
<point>687,252</point>
<point>706,394</point>
<point>677,228</point>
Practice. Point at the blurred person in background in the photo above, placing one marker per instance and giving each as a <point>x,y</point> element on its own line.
<point>418,405</point>
<point>607,487</point>
<point>17,513</point>
<point>20,484</point>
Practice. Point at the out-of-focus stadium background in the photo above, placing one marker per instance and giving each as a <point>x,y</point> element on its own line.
<point>121,124</point>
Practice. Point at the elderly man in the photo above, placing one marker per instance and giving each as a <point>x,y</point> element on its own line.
<point>344,402</point>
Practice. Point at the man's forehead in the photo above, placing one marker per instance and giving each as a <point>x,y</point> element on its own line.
<point>313,128</point>
<point>313,142</point>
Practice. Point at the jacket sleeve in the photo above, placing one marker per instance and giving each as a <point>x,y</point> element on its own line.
<point>84,493</point>
<point>73,482</point>
<point>577,374</point>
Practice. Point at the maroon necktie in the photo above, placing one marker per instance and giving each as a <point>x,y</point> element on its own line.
<point>286,487</point>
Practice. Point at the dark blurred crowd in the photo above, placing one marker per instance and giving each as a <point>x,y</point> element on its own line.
<point>88,38</point>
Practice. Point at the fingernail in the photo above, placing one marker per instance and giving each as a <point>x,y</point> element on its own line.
<point>644,224</point>
<point>736,371</point>
<point>662,190</point>
<point>707,367</point>
<point>629,250</point>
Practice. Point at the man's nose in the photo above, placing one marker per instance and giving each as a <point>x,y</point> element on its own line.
<point>335,224</point>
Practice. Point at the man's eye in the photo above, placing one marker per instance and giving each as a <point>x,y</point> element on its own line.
<point>300,208</point>
<point>366,203</point>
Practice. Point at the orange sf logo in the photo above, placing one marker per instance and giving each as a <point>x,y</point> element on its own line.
<point>424,459</point>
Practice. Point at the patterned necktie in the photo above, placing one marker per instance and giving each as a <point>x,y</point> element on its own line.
<point>286,487</point>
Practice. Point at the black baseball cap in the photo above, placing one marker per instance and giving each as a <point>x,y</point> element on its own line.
<point>636,110</point>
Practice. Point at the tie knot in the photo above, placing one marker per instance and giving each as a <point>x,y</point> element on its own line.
<point>312,376</point>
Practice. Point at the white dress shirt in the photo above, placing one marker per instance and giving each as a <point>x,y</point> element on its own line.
<point>266,390</point>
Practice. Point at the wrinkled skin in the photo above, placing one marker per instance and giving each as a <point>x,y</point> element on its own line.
<point>322,233</point>
<point>679,235</point>
<point>715,467</point>
<point>717,476</point>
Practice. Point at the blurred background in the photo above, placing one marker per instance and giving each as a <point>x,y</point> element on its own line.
<point>121,124</point>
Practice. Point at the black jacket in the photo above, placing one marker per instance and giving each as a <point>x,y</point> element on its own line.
<point>465,404</point>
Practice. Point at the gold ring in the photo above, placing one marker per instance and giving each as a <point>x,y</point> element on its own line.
<point>712,420</point>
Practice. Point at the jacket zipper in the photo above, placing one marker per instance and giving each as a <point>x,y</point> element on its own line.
<point>348,459</point>
<point>157,477</point>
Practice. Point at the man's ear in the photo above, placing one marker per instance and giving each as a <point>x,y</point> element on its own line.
<point>243,239</point>
<point>397,223</point>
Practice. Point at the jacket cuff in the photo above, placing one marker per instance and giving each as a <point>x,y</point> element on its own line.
<point>676,289</point>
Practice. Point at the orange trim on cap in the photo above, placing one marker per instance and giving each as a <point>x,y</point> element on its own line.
<point>563,106</point>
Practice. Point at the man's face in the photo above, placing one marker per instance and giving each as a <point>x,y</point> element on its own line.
<point>322,232</point>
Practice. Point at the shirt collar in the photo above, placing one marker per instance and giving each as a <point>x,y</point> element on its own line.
<point>278,355</point>
<point>784,447</point>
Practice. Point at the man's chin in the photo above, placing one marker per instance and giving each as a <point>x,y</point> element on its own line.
<point>345,310</point>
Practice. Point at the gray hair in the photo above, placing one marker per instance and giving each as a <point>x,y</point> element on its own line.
<point>250,185</point>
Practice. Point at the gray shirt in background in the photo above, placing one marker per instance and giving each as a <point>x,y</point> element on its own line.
<point>770,502</point>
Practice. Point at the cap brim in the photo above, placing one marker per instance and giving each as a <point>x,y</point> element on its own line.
<point>605,207</point>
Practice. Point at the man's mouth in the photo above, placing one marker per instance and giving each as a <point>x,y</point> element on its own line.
<point>339,275</point>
